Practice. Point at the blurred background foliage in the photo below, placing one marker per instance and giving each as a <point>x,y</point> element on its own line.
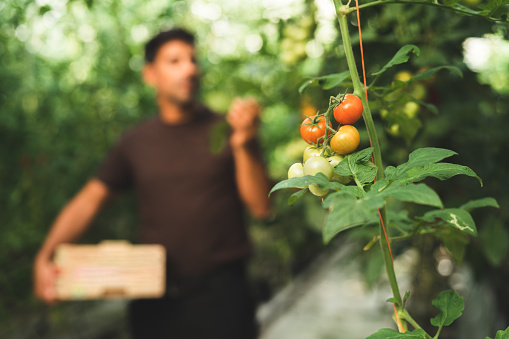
<point>70,85</point>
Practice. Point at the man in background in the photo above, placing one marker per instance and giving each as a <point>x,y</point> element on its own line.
<point>190,200</point>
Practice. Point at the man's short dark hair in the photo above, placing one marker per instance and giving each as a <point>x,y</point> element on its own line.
<point>152,47</point>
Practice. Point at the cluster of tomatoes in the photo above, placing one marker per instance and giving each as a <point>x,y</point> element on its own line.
<point>328,146</point>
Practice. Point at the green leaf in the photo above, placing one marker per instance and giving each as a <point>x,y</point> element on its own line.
<point>424,156</point>
<point>366,173</point>
<point>380,185</point>
<point>296,196</point>
<point>327,81</point>
<point>502,334</point>
<point>355,190</point>
<point>363,156</point>
<point>300,182</point>
<point>305,85</point>
<point>416,193</point>
<point>484,202</point>
<point>495,241</point>
<point>456,217</point>
<point>391,173</point>
<point>359,166</point>
<point>333,80</point>
<point>346,211</point>
<point>442,171</point>
<point>387,333</point>
<point>493,5</point>
<point>400,219</point>
<point>400,57</point>
<point>450,305</point>
<point>466,9</point>
<point>427,74</point>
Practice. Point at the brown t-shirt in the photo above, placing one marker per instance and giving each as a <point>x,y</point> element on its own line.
<point>187,196</point>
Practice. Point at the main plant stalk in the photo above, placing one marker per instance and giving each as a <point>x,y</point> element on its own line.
<point>341,11</point>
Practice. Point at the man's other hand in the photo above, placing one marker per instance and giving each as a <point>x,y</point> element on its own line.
<point>243,117</point>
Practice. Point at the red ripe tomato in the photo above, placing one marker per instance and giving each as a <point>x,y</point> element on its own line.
<point>312,130</point>
<point>346,140</point>
<point>349,110</point>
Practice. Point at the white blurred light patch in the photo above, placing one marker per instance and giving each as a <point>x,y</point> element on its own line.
<point>326,10</point>
<point>445,267</point>
<point>223,46</point>
<point>314,49</point>
<point>326,33</point>
<point>205,10</point>
<point>86,33</point>
<point>221,28</point>
<point>140,33</point>
<point>254,43</point>
<point>22,32</point>
<point>477,52</point>
<point>281,9</point>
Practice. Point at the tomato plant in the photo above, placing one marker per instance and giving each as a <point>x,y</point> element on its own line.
<point>346,140</point>
<point>313,129</point>
<point>349,110</point>
<point>364,201</point>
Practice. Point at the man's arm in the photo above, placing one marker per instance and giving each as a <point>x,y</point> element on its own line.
<point>252,179</point>
<point>70,224</point>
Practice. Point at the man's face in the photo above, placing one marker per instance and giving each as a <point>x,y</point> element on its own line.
<point>174,72</point>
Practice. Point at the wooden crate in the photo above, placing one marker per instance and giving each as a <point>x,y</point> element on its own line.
<point>111,269</point>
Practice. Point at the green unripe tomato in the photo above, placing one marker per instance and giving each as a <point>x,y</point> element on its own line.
<point>296,170</point>
<point>310,151</point>
<point>411,108</point>
<point>316,165</point>
<point>316,190</point>
<point>335,159</point>
<point>403,76</point>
